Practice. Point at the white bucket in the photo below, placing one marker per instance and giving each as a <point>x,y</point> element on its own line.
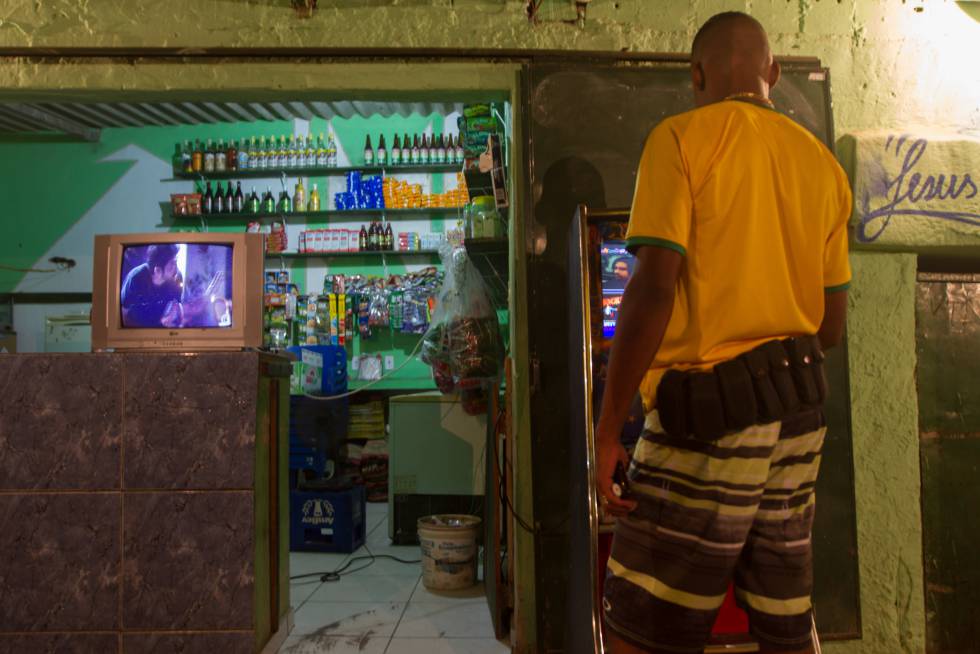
<point>448,551</point>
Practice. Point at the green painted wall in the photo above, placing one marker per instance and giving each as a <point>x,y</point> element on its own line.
<point>893,65</point>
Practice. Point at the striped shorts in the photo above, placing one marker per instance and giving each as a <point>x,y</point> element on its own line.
<point>740,507</point>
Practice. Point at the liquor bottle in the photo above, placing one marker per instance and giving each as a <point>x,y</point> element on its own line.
<point>221,157</point>
<point>362,239</point>
<point>253,154</point>
<point>238,203</point>
<point>254,204</point>
<point>269,201</point>
<point>282,155</point>
<point>178,160</point>
<point>314,204</point>
<point>460,153</point>
<point>231,159</point>
<point>186,159</point>
<point>331,151</point>
<point>368,151</point>
<point>382,151</point>
<point>197,157</point>
<point>433,149</point>
<point>299,198</point>
<point>229,198</point>
<point>207,202</point>
<point>396,152</point>
<point>292,153</point>
<point>415,150</point>
<point>406,151</point>
<point>209,157</point>
<point>321,152</point>
<point>285,204</point>
<point>389,238</point>
<point>424,150</point>
<point>310,152</point>
<point>218,203</point>
<point>244,156</point>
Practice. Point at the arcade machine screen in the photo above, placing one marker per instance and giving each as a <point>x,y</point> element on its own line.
<point>616,265</point>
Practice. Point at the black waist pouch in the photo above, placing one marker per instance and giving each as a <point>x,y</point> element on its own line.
<point>781,375</point>
<point>706,410</point>
<point>737,394</point>
<point>806,366</point>
<point>768,404</point>
<point>672,403</point>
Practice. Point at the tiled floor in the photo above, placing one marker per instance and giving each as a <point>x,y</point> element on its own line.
<point>384,608</point>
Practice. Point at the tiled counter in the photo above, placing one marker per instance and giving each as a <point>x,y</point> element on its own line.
<point>138,503</point>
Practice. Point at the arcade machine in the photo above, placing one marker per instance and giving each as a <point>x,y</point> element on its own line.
<point>597,249</point>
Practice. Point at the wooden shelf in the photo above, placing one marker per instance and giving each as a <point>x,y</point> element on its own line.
<point>366,253</point>
<point>390,214</point>
<point>275,173</point>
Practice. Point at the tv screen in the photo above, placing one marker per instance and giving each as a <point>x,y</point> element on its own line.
<point>617,266</point>
<point>176,286</point>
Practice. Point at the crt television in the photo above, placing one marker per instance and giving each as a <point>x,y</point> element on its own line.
<point>177,291</point>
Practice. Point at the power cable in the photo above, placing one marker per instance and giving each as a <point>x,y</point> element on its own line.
<point>343,571</point>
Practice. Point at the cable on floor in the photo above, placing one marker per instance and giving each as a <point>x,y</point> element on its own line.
<point>343,571</point>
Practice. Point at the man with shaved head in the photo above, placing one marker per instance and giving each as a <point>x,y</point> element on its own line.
<point>739,227</point>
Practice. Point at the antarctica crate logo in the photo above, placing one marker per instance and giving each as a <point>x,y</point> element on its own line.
<point>318,512</point>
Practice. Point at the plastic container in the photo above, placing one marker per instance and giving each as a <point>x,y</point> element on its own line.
<point>482,219</point>
<point>449,550</point>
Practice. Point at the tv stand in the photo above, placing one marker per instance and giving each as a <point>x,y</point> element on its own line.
<point>143,502</point>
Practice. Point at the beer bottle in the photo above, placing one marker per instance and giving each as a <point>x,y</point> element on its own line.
<point>292,153</point>
<point>254,204</point>
<point>362,239</point>
<point>396,152</point>
<point>221,157</point>
<point>415,150</point>
<point>389,238</point>
<point>253,154</point>
<point>207,202</point>
<point>433,149</point>
<point>178,160</point>
<point>382,151</point>
<point>424,150</point>
<point>231,160</point>
<point>229,198</point>
<point>269,204</point>
<point>460,153</point>
<point>331,151</point>
<point>218,203</point>
<point>282,158</point>
<point>239,199</point>
<point>310,152</point>
<point>209,157</point>
<point>368,151</point>
<point>406,151</point>
<point>197,157</point>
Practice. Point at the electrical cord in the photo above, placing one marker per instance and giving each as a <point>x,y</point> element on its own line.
<point>371,383</point>
<point>502,492</point>
<point>343,571</point>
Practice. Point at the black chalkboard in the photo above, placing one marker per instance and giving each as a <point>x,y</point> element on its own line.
<point>586,125</point>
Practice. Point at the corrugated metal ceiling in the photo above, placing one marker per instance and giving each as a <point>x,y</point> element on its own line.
<point>86,120</point>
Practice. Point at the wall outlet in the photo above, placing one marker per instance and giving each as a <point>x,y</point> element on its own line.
<point>389,362</point>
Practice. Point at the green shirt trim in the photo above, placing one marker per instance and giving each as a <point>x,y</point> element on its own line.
<point>632,244</point>
<point>839,287</point>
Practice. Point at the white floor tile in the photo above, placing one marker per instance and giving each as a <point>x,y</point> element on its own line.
<point>334,645</point>
<point>423,594</point>
<point>463,619</point>
<point>375,620</point>
<point>300,590</point>
<point>447,646</point>
<point>358,587</point>
<point>308,562</point>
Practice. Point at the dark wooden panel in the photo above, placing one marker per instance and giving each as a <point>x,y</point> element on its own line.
<point>586,125</point>
<point>948,370</point>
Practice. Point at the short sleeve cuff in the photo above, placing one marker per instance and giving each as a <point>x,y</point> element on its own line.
<point>839,287</point>
<point>635,242</point>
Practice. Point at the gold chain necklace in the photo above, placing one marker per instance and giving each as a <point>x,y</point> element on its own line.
<point>749,95</point>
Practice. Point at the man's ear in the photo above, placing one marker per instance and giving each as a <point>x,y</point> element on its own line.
<point>697,76</point>
<point>774,72</point>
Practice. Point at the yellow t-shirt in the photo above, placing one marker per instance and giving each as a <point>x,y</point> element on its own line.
<point>759,208</point>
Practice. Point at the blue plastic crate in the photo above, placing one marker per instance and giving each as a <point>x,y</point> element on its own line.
<point>325,363</point>
<point>327,522</point>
